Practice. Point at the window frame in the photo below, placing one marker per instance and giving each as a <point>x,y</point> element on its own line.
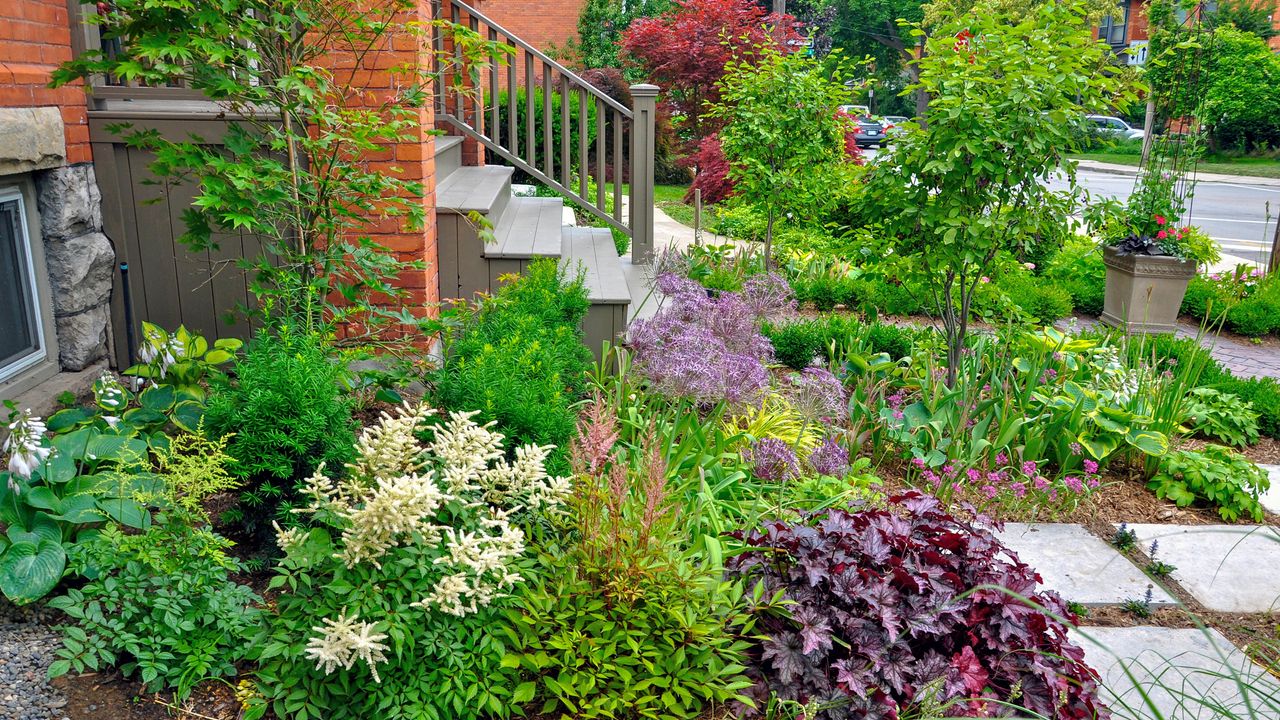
<point>42,363</point>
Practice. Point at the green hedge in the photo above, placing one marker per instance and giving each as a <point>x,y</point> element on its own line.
<point>796,344</point>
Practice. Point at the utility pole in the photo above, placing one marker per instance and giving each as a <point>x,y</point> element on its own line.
<point>1148,131</point>
<point>780,7</point>
<point>1273,262</point>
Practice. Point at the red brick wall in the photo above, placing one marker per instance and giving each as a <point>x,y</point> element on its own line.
<point>541,23</point>
<point>384,70</point>
<point>1137,20</point>
<point>35,36</point>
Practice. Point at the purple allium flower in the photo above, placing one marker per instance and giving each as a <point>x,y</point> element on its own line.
<point>1075,448</point>
<point>830,458</point>
<point>1041,482</point>
<point>773,459</point>
<point>817,393</point>
<point>768,296</point>
<point>1019,489</point>
<point>974,474</point>
<point>707,349</point>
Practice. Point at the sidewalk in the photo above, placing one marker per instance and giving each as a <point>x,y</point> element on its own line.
<point>1113,169</point>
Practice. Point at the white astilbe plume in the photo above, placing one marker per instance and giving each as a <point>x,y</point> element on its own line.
<point>394,510</point>
<point>525,482</point>
<point>465,450</point>
<point>321,493</point>
<point>288,539</point>
<point>343,641</point>
<point>390,448</point>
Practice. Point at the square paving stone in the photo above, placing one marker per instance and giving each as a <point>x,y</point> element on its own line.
<point>1271,498</point>
<point>1186,674</point>
<point>1081,567</point>
<point>1231,568</point>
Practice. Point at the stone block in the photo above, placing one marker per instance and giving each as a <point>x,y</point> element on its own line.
<point>1271,498</point>
<point>31,139</point>
<point>80,272</point>
<point>82,338</point>
<point>70,202</point>
<point>1079,566</point>
<point>1229,568</point>
<point>1185,674</point>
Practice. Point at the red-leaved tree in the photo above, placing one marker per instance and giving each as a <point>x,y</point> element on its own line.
<point>684,51</point>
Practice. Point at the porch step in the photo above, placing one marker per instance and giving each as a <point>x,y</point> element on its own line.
<point>485,190</point>
<point>530,227</point>
<point>592,250</point>
<point>448,156</point>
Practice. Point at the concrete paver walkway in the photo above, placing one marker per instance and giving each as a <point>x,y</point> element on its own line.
<point>1079,566</point>
<point>1156,673</point>
<point>1229,568</point>
<point>1160,673</point>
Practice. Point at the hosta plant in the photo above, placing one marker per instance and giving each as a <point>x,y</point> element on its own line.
<point>1226,480</point>
<point>385,603</point>
<point>907,610</point>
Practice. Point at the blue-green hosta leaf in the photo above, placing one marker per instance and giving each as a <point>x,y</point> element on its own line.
<point>80,510</point>
<point>1149,442</point>
<point>126,512</point>
<point>188,414</point>
<point>64,420</point>
<point>28,571</point>
<point>42,527</point>
<point>158,398</point>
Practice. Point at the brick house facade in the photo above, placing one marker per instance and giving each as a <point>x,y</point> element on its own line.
<point>55,263</point>
<point>541,23</point>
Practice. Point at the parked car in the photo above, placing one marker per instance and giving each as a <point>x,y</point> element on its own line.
<point>893,124</point>
<point>868,130</point>
<point>1114,127</point>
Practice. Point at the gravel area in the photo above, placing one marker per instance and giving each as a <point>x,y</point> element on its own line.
<point>26,649</point>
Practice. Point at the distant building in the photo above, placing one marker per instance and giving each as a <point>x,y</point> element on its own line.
<point>1126,30</point>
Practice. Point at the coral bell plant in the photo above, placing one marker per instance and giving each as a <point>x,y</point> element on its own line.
<point>907,609</point>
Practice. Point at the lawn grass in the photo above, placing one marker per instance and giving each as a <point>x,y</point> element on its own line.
<point>1256,167</point>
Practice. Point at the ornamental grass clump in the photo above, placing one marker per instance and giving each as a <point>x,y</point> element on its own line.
<point>907,610</point>
<point>709,349</point>
<point>409,555</point>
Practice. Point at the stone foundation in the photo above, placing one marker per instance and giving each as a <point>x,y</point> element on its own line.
<point>80,261</point>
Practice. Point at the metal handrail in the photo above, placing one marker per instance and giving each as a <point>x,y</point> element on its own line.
<point>530,142</point>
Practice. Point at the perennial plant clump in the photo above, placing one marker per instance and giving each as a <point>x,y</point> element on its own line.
<point>709,349</point>
<point>409,551</point>
<point>907,609</point>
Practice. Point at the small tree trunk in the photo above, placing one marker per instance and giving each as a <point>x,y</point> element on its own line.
<point>768,242</point>
<point>922,97</point>
<point>1148,130</point>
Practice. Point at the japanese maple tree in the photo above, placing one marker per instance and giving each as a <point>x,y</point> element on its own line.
<point>685,52</point>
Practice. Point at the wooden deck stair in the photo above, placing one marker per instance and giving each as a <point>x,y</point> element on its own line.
<point>524,228</point>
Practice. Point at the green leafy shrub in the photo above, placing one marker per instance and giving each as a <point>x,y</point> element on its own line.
<point>386,605</point>
<point>286,414</point>
<point>518,358</point>
<point>796,344</point>
<point>1223,416</point>
<point>1214,475</point>
<point>1078,269</point>
<point>623,621</point>
<point>161,606</point>
<point>1253,317</point>
<point>1263,394</point>
<point>1041,300</point>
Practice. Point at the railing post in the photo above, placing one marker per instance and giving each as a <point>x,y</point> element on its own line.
<point>644,111</point>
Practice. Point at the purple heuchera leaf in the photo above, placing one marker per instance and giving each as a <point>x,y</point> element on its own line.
<point>881,608</point>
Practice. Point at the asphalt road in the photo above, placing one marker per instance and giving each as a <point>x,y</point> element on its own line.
<point>1233,213</point>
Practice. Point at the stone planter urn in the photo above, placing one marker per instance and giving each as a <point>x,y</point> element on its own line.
<point>1144,292</point>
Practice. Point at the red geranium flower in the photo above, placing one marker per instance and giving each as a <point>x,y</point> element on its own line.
<point>1160,219</point>
<point>1161,235</point>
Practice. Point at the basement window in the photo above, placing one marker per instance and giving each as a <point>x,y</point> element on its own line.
<point>22,332</point>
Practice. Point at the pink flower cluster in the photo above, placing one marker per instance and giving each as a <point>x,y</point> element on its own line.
<point>1002,481</point>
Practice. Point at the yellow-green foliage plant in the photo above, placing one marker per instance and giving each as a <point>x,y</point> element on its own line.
<point>388,603</point>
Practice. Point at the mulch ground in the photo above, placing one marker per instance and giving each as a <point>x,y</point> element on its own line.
<point>111,696</point>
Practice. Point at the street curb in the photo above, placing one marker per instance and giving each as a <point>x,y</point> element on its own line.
<point>1131,171</point>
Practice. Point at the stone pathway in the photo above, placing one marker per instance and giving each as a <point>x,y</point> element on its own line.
<point>1243,359</point>
<point>1158,673</point>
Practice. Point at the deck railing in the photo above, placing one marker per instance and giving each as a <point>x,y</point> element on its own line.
<point>587,170</point>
